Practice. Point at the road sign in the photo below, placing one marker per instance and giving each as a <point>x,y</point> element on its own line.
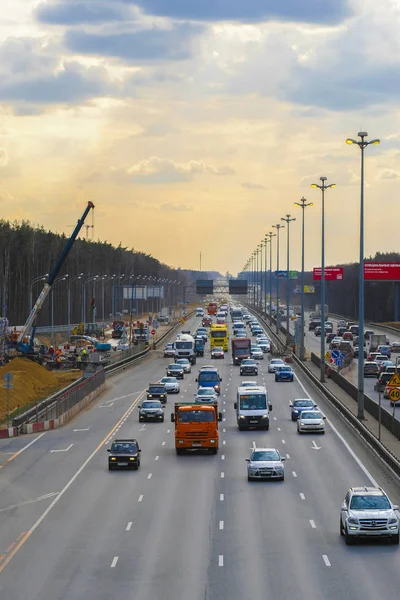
<point>394,395</point>
<point>283,274</point>
<point>153,332</point>
<point>328,354</point>
<point>8,386</point>
<point>8,377</point>
<point>335,354</point>
<point>309,289</point>
<point>339,362</point>
<point>394,380</point>
<point>342,355</point>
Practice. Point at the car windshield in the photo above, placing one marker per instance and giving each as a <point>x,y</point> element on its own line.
<point>175,367</point>
<point>219,333</point>
<point>371,502</point>
<point>182,361</point>
<point>156,389</point>
<point>265,455</point>
<point>183,345</point>
<point>283,369</point>
<point>205,392</point>
<point>211,377</point>
<point>128,447</point>
<point>169,380</point>
<point>276,361</point>
<point>151,405</point>
<point>310,415</point>
<point>248,362</point>
<point>253,402</point>
<point>302,403</point>
<point>196,416</point>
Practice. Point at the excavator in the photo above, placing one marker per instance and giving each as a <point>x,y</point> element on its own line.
<point>25,341</point>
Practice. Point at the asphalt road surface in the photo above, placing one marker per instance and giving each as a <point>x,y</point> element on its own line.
<point>187,526</point>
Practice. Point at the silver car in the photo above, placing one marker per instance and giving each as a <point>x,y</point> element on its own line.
<point>171,385</point>
<point>275,362</point>
<point>184,362</point>
<point>311,420</point>
<point>368,512</point>
<point>206,395</point>
<point>256,352</point>
<point>265,463</point>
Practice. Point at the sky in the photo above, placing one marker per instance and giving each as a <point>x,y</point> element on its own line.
<point>194,126</point>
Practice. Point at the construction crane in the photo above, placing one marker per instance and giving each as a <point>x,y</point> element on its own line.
<point>28,330</point>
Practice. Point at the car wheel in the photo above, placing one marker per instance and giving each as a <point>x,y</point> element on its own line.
<point>110,467</point>
<point>249,478</point>
<point>349,540</point>
<point>282,478</point>
<point>136,467</point>
<point>298,430</point>
<point>267,427</point>
<point>213,450</point>
<point>179,450</point>
<point>395,539</point>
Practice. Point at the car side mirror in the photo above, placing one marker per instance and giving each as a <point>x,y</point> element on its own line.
<point>324,417</point>
<point>283,458</point>
<point>270,406</point>
<point>247,459</point>
<point>343,508</point>
<point>139,406</point>
<point>219,416</point>
<point>172,418</point>
<point>220,378</point>
<point>108,450</point>
<point>139,450</point>
<point>196,380</point>
<point>235,406</point>
<point>395,507</point>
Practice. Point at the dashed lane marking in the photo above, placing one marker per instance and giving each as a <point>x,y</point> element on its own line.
<point>326,560</point>
<point>302,496</point>
<point>221,497</point>
<point>221,524</point>
<point>312,523</point>
<point>156,458</point>
<point>140,498</point>
<point>114,562</point>
<point>129,526</point>
<point>149,476</point>
<point>222,474</point>
<point>221,560</point>
<point>294,473</point>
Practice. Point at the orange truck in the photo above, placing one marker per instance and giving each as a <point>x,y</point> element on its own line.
<point>212,308</point>
<point>196,426</point>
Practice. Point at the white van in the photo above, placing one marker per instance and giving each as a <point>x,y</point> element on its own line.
<point>252,408</point>
<point>199,312</point>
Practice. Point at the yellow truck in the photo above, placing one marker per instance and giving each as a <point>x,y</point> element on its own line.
<point>196,426</point>
<point>219,336</point>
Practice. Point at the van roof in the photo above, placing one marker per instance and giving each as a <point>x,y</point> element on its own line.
<point>254,389</point>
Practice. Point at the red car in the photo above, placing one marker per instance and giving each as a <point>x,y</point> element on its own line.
<point>206,321</point>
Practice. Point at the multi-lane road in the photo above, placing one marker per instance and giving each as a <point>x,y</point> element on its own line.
<point>187,526</point>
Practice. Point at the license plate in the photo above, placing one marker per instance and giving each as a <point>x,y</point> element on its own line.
<point>196,445</point>
<point>253,421</point>
<point>121,464</point>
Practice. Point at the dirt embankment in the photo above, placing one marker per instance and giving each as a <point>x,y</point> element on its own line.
<point>32,383</point>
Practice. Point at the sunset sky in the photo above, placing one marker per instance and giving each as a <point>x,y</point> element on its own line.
<point>194,125</point>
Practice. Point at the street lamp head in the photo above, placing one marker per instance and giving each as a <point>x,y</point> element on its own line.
<point>323,178</point>
<point>351,141</point>
<point>310,204</point>
<point>332,185</point>
<point>375,142</point>
<point>362,134</point>
<point>314,185</point>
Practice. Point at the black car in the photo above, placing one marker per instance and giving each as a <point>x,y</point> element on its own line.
<point>157,391</point>
<point>124,454</point>
<point>175,371</point>
<point>248,366</point>
<point>330,337</point>
<point>151,410</point>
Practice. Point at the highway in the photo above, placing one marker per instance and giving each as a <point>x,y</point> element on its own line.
<point>187,526</point>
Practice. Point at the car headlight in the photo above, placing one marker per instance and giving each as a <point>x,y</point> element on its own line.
<point>265,416</point>
<point>242,417</point>
<point>296,412</point>
<point>131,458</point>
<point>212,441</point>
<point>392,521</point>
<point>352,521</point>
<point>160,411</point>
<point>113,458</point>
<point>301,423</point>
<point>150,396</point>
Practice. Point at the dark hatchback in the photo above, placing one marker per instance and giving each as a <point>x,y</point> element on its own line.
<point>175,371</point>
<point>248,366</point>
<point>124,454</point>
<point>157,391</point>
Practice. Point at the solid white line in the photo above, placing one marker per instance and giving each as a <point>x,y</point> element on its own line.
<point>114,562</point>
<point>221,560</point>
<point>156,458</point>
<point>221,524</point>
<point>294,473</point>
<point>222,474</point>
<point>28,445</point>
<point>221,497</point>
<point>128,527</point>
<point>341,438</point>
<point>162,443</point>
<point>29,501</point>
<point>149,475</point>
<point>287,455</point>
<point>140,498</point>
<point>326,560</point>
<point>87,429</point>
<point>302,496</point>
<point>312,523</point>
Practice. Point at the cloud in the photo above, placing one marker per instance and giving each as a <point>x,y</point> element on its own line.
<point>157,170</point>
<point>174,44</point>
<point>388,174</point>
<point>74,13</point>
<point>175,207</point>
<point>3,157</point>
<point>253,186</point>
<point>311,11</point>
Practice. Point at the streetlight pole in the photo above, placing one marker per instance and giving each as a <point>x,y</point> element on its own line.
<point>40,278</point>
<point>278,227</point>
<point>362,143</point>
<point>70,281</point>
<point>323,187</point>
<point>266,240</point>
<point>270,235</point>
<point>64,278</point>
<point>303,204</point>
<point>94,278</point>
<point>288,220</point>
<point>253,268</point>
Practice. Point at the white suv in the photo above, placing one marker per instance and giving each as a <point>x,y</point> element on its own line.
<point>367,512</point>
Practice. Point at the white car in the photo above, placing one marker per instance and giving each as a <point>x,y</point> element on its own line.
<point>265,463</point>
<point>184,362</point>
<point>311,420</point>
<point>256,352</point>
<point>274,363</point>
<point>206,395</point>
<point>264,345</point>
<point>171,385</point>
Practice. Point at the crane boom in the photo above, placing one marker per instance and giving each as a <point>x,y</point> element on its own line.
<point>47,286</point>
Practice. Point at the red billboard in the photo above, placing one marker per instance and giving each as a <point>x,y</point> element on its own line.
<point>376,271</point>
<point>331,273</point>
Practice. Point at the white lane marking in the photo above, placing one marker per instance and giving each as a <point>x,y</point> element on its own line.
<point>25,447</point>
<point>283,442</point>
<point>221,524</point>
<point>63,449</point>
<point>140,498</point>
<point>143,428</point>
<point>222,474</point>
<point>294,473</point>
<point>129,526</point>
<point>253,444</point>
<point>326,560</point>
<point>224,403</point>
<point>223,410</point>
<point>274,418</point>
<point>224,419</point>
<point>222,456</point>
<point>224,431</point>
<point>29,501</point>
<point>288,456</point>
<point>314,446</point>
<point>221,497</point>
<point>114,562</point>
<point>149,476</point>
<point>221,560</point>
<point>168,431</point>
<point>341,438</point>
<point>162,443</point>
<point>224,442</point>
<point>312,523</point>
<point>278,429</point>
<point>87,429</point>
<point>156,458</point>
<point>302,496</point>
<point>106,405</point>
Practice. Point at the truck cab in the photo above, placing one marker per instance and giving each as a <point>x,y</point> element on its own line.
<point>184,348</point>
<point>252,408</point>
<point>196,427</point>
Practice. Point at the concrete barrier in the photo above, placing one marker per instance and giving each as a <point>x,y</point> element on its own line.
<point>8,433</point>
